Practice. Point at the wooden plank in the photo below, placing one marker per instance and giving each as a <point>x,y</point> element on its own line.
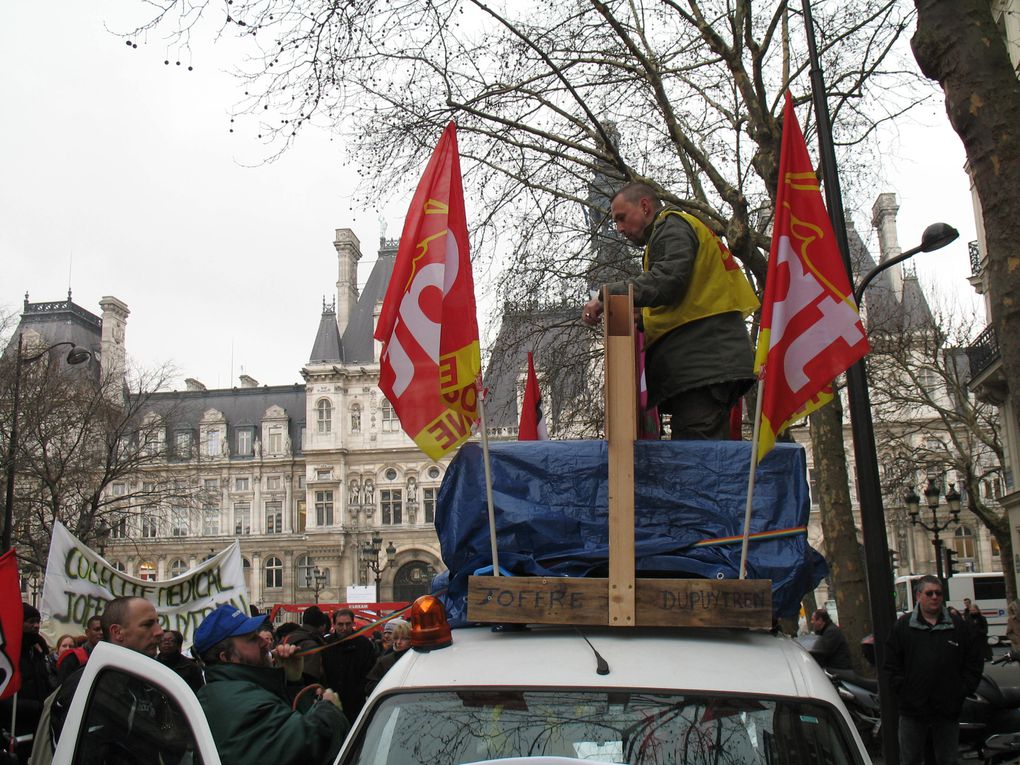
<point>743,603</point>
<point>621,431</point>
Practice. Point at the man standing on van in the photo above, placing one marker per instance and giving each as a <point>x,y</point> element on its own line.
<point>934,661</point>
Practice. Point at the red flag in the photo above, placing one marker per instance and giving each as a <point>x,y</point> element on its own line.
<point>430,360</point>
<point>532,426</point>
<point>12,618</point>
<point>811,330</point>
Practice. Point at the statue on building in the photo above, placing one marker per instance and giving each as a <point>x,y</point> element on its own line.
<point>412,487</point>
<point>287,445</point>
<point>257,448</point>
<point>354,493</point>
<point>225,447</point>
<point>369,494</point>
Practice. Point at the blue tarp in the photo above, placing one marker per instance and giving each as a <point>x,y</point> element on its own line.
<point>551,500</point>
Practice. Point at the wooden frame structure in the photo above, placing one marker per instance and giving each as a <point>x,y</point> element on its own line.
<point>622,599</point>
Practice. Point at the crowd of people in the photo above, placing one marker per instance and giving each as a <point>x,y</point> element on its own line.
<point>288,693</point>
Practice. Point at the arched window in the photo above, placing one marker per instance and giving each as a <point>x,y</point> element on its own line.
<point>413,580</point>
<point>274,573</point>
<point>324,416</point>
<point>355,418</point>
<point>177,568</point>
<point>119,566</point>
<point>963,542</point>
<point>147,572</point>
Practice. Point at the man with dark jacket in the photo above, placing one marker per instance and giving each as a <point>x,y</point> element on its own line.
<point>36,681</point>
<point>347,661</point>
<point>311,634</point>
<point>170,655</point>
<point>830,649</point>
<point>244,698</point>
<point>693,298</point>
<point>933,662</point>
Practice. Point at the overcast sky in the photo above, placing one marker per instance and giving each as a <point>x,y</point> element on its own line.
<point>120,177</point>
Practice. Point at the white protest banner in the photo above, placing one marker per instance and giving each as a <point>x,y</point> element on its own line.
<point>79,584</point>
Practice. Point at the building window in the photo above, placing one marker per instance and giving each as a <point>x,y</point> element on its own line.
<point>301,482</point>
<point>242,518</point>
<point>119,489</point>
<point>150,527</point>
<point>302,516</point>
<point>275,441</point>
<point>323,474</point>
<point>274,573</point>
<point>182,444</point>
<point>963,542</point>
<point>211,485</point>
<point>306,571</point>
<point>210,520</point>
<point>212,443</point>
<point>813,484</point>
<point>177,568</point>
<point>274,517</point>
<point>179,522</point>
<point>244,442</point>
<point>391,475</point>
<point>147,572</point>
<point>117,565</point>
<point>324,508</point>
<point>272,482</point>
<point>390,423</point>
<point>355,418</point>
<point>118,529</point>
<point>242,484</point>
<point>428,503</point>
<point>154,441</point>
<point>324,416</point>
<point>433,472</point>
<point>392,506</point>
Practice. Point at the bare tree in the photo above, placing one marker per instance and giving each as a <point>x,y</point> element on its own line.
<point>958,44</point>
<point>89,455</point>
<point>928,423</point>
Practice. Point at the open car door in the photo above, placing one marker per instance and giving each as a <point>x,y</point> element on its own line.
<point>129,709</point>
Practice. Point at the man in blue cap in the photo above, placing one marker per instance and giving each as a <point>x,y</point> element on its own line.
<point>245,699</point>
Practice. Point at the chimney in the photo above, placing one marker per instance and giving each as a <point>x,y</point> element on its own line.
<point>115,314</point>
<point>248,382</point>
<point>348,252</point>
<point>192,384</point>
<point>883,218</point>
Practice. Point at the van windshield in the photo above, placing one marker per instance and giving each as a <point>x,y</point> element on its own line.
<point>638,727</point>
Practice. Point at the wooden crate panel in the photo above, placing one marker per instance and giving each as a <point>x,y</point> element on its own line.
<point>659,603</point>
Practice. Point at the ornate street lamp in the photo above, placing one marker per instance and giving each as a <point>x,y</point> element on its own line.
<point>319,579</point>
<point>931,499</point>
<point>370,554</point>
<point>76,355</point>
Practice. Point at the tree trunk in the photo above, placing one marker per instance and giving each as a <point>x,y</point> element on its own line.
<point>958,44</point>
<point>842,550</point>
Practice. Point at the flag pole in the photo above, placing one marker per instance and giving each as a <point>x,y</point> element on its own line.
<point>750,479</point>
<point>488,482</point>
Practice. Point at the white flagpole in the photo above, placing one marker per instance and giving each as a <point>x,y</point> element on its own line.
<point>488,483</point>
<point>750,479</point>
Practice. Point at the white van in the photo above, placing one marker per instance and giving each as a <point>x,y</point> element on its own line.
<point>549,694</point>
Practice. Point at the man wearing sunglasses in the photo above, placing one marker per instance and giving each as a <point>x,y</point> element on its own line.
<point>934,661</point>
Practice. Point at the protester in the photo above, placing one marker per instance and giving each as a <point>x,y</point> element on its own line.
<point>978,624</point>
<point>693,299</point>
<point>170,654</point>
<point>347,661</point>
<point>245,700</point>
<point>36,680</point>
<point>135,717</point>
<point>401,636</point>
<point>72,662</point>
<point>933,661</point>
<point>830,649</point>
<point>267,636</point>
<point>311,634</point>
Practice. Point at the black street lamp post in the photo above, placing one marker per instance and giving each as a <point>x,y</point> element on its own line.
<point>931,498</point>
<point>370,553</point>
<point>76,355</point>
<point>319,581</point>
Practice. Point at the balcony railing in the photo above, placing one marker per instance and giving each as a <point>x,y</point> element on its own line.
<point>975,257</point>
<point>983,351</point>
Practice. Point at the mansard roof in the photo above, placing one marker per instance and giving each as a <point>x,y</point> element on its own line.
<point>62,321</point>
<point>327,347</point>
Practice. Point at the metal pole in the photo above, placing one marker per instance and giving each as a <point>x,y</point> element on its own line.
<point>939,562</point>
<point>876,546</point>
<point>12,447</point>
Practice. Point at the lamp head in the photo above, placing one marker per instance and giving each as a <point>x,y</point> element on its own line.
<point>937,236</point>
<point>78,355</point>
<point>913,503</point>
<point>931,494</point>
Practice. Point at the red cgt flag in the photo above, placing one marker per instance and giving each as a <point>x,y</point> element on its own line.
<point>532,426</point>
<point>11,621</point>
<point>430,361</point>
<point>811,330</point>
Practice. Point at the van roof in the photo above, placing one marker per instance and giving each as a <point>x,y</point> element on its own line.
<point>743,662</point>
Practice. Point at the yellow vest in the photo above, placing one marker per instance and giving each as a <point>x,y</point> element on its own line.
<point>718,285</point>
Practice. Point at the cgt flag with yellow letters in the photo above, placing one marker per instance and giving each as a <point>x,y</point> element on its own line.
<point>430,362</point>
<point>811,330</point>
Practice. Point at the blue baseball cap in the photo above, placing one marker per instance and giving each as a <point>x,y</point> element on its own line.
<point>225,621</point>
